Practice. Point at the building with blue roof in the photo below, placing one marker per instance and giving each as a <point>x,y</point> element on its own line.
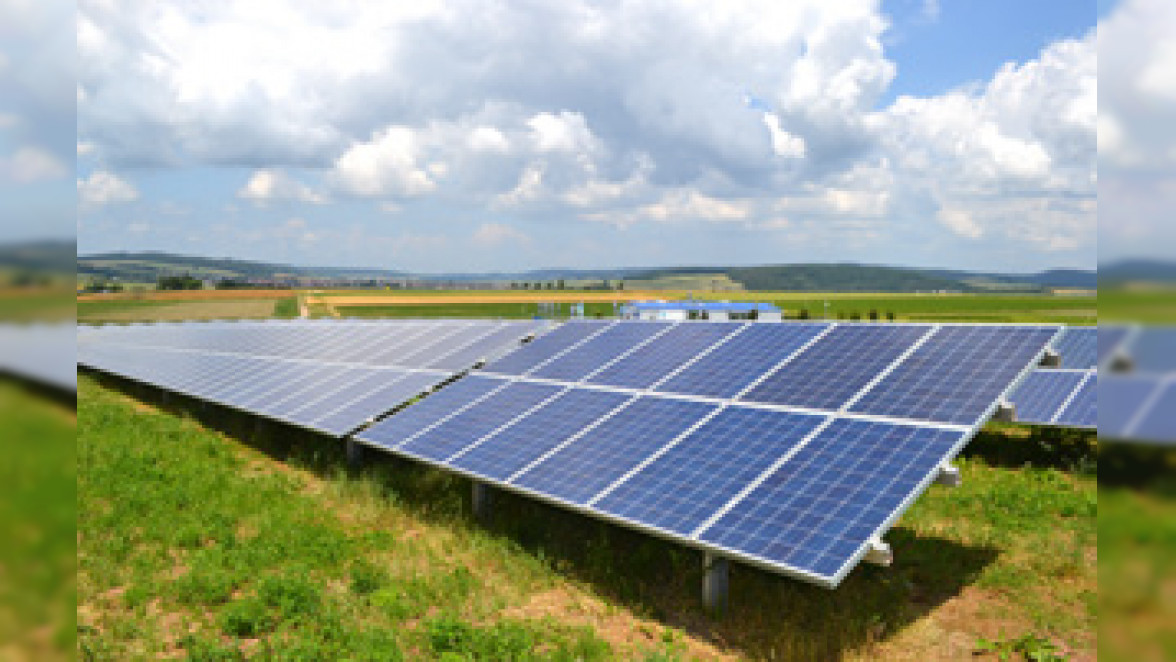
<point>701,310</point>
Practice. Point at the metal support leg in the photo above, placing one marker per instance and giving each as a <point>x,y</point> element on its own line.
<point>714,583</point>
<point>483,501</point>
<point>355,454</point>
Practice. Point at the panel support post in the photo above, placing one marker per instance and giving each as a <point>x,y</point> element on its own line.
<point>714,583</point>
<point>355,454</point>
<point>483,501</point>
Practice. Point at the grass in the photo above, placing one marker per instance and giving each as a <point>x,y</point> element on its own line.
<point>206,538</point>
<point>129,310</point>
<point>37,515</point>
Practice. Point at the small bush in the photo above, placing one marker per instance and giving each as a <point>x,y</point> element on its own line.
<point>366,578</point>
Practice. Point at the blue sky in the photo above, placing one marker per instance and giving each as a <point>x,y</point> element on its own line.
<point>454,136</point>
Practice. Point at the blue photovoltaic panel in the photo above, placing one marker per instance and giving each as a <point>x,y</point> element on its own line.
<point>679,490</point>
<point>651,363</point>
<point>477,421</point>
<point>829,373</point>
<point>1120,399</point>
<point>1153,350</point>
<point>395,430</point>
<point>1078,348</point>
<point>583,468</point>
<point>737,363</point>
<point>1043,393</point>
<point>514,447</point>
<point>379,401</point>
<point>1159,423</point>
<point>1082,411</point>
<point>545,347</point>
<point>823,505</point>
<point>958,374</point>
<point>1110,338</point>
<point>485,348</point>
<point>595,353</point>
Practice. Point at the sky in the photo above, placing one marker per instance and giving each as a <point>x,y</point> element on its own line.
<point>474,136</point>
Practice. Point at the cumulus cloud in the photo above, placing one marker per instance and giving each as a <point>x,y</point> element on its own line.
<point>609,112</point>
<point>267,185</point>
<point>105,188</point>
<point>32,164</point>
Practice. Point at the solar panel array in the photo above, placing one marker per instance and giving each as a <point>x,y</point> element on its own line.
<point>42,353</point>
<point>1066,395</point>
<point>789,446</point>
<point>330,377</point>
<point>1137,393</point>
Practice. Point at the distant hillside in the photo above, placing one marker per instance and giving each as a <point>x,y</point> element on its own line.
<point>1146,271</point>
<point>52,255</point>
<point>150,266</point>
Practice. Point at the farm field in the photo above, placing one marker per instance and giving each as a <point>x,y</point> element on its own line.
<point>170,310</point>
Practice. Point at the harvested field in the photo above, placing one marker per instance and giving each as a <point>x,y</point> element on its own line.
<point>189,295</point>
<point>173,312</point>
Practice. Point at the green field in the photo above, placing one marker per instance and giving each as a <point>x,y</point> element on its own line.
<point>219,541</point>
<point>132,310</point>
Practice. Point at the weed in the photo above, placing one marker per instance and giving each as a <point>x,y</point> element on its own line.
<point>247,617</point>
<point>1028,647</point>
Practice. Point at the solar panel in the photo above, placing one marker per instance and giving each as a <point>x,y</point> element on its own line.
<point>1157,421</point>
<point>1043,394</point>
<point>730,367</point>
<point>331,377</point>
<point>503,453</point>
<point>598,351</point>
<point>1153,350</point>
<point>957,374</point>
<point>583,468</point>
<point>478,420</point>
<point>1120,399</point>
<point>679,489</point>
<point>396,430</point>
<point>1079,348</point>
<point>546,347</point>
<point>841,364</point>
<point>1082,409</point>
<point>818,510</point>
<point>652,363</point>
<point>42,353</point>
<point>1110,339</point>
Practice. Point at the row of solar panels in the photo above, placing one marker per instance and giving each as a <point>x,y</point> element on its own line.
<point>1120,379</point>
<point>791,446</point>
<point>41,353</point>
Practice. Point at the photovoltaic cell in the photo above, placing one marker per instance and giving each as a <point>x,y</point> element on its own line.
<point>1043,393</point>
<point>379,401</point>
<point>395,430</point>
<point>583,468</point>
<point>679,490</point>
<point>478,420</point>
<point>822,506</point>
<point>651,363</point>
<point>958,374</point>
<point>514,447</point>
<point>1078,348</point>
<point>737,363</point>
<point>545,347</point>
<point>1082,411</point>
<point>828,374</point>
<point>598,351</point>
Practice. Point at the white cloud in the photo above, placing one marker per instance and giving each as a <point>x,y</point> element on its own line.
<point>497,234</point>
<point>105,188</point>
<point>387,164</point>
<point>960,222</point>
<point>267,185</point>
<point>565,132</point>
<point>31,164</point>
